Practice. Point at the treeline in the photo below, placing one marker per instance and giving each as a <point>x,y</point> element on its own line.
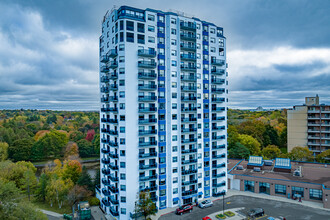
<point>264,134</point>
<point>32,135</point>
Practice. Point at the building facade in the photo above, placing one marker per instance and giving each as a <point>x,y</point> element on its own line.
<point>163,84</point>
<point>309,125</point>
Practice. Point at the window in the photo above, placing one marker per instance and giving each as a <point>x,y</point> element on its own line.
<point>162,203</point>
<point>264,188</point>
<point>174,117</point>
<point>123,211</point>
<point>121,70</point>
<point>212,30</point>
<point>175,148</point>
<point>173,31</point>
<point>173,53</point>
<point>122,153</point>
<point>174,84</point>
<point>123,199</point>
<point>162,192</point>
<point>173,21</point>
<point>122,82</point>
<point>174,74</point>
<point>173,42</point>
<point>174,105</point>
<point>175,159</point>
<point>122,118</point>
<point>174,95</point>
<point>161,51</point>
<point>161,40</point>
<point>175,191</point>
<point>212,49</point>
<point>140,38</point>
<point>122,187</point>
<point>130,37</point>
<point>122,176</point>
<point>122,129</point>
<point>122,106</point>
<point>151,28</point>
<point>122,164</point>
<point>151,39</point>
<point>140,27</point>
<point>212,40</point>
<point>175,179</point>
<point>315,194</point>
<point>161,30</point>
<point>174,63</point>
<point>121,25</point>
<point>161,19</point>
<point>151,17</point>
<point>297,190</point>
<point>121,47</point>
<point>162,170</point>
<point>162,159</point>
<point>122,140</point>
<point>130,25</point>
<point>280,189</point>
<point>248,185</point>
<point>174,127</point>
<point>175,202</point>
<point>121,59</point>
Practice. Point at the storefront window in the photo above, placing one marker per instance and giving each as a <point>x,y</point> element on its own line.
<point>315,194</point>
<point>297,190</point>
<point>264,188</point>
<point>249,185</point>
<point>280,189</point>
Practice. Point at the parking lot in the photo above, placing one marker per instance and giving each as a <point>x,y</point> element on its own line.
<point>272,208</point>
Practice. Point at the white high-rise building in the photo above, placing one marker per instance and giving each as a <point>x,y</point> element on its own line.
<point>163,111</point>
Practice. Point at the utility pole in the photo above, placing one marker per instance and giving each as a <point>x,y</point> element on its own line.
<point>223,204</point>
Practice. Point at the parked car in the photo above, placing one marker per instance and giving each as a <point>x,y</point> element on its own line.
<point>206,218</point>
<point>256,212</point>
<point>205,204</point>
<point>183,209</point>
<point>278,218</point>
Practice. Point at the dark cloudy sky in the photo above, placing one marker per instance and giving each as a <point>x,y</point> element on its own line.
<point>278,51</point>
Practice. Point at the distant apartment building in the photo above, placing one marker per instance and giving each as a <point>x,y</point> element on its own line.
<point>163,126</point>
<point>309,125</point>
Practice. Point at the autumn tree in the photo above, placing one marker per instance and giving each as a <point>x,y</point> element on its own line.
<point>300,154</point>
<point>324,157</point>
<point>78,193</point>
<point>271,152</point>
<point>57,190</point>
<point>90,135</point>
<point>71,170</point>
<point>250,143</point>
<point>71,151</point>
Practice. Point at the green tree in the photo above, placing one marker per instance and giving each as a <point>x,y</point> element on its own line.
<point>145,206</point>
<point>324,157</point>
<point>283,138</point>
<point>96,144</point>
<point>232,136</point>
<point>97,179</point>
<point>76,136</point>
<point>57,190</point>
<point>85,179</point>
<point>270,136</point>
<point>85,148</point>
<point>239,151</point>
<point>21,149</point>
<point>41,188</point>
<point>253,128</point>
<point>71,170</point>
<point>3,151</point>
<point>250,143</point>
<point>51,119</point>
<point>271,152</point>
<point>300,154</point>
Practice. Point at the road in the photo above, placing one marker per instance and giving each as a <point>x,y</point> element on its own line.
<point>272,208</point>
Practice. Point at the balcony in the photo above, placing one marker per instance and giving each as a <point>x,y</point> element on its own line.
<point>222,118</point>
<point>113,87</point>
<point>147,98</point>
<point>183,162</point>
<point>188,26</point>
<point>104,79</point>
<point>113,200</point>
<point>220,137</point>
<point>154,198</point>
<point>188,109</point>
<point>222,165</point>
<point>105,109</point>
<point>188,130</point>
<point>223,174</point>
<point>113,75</point>
<point>219,184</point>
<point>113,178</point>
<point>148,110</point>
<point>188,78</point>
<point>114,212</point>
<point>147,75</point>
<point>148,178</point>
<point>147,64</point>
<point>104,69</point>
<point>113,155</point>
<point>104,59</point>
<point>188,57</point>
<point>113,189</point>
<point>218,128</point>
<point>105,89</point>
<point>148,121</point>
<point>113,167</point>
<point>217,71</point>
<point>189,151</point>
<point>220,100</point>
<point>150,189</point>
<point>190,37</point>
<point>188,172</point>
<point>217,62</point>
<point>217,81</point>
<point>106,192</point>
<point>146,167</point>
<point>188,120</point>
<point>218,156</point>
<point>189,192</point>
<point>147,132</point>
<point>112,53</point>
<point>148,144</point>
<point>113,98</point>
<point>218,109</point>
<point>105,172</point>
<point>113,64</point>
<point>188,99</point>
<point>147,87</point>
<point>147,155</point>
<point>188,47</point>
<point>105,141</point>
<point>146,53</point>
<point>190,182</point>
<point>189,88</point>
<point>105,150</point>
<point>105,161</point>
<point>113,144</point>
<point>106,182</point>
<point>188,67</point>
<point>105,202</point>
<point>113,121</point>
<point>105,99</point>
<point>188,140</point>
<point>216,90</point>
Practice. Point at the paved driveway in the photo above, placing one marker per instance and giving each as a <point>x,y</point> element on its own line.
<point>271,207</point>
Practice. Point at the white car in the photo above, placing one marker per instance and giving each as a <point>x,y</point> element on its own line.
<point>205,204</point>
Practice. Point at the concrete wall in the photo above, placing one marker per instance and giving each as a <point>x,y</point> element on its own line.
<point>297,127</point>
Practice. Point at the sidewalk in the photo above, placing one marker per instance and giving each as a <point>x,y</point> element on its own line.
<point>231,192</point>
<point>50,213</point>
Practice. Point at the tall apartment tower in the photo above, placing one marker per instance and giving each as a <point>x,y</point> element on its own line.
<point>309,125</point>
<point>163,84</point>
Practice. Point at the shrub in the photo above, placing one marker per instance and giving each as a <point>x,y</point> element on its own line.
<point>93,201</point>
<point>229,214</point>
<point>220,216</point>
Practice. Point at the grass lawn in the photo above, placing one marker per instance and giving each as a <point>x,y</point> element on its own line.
<point>44,205</point>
